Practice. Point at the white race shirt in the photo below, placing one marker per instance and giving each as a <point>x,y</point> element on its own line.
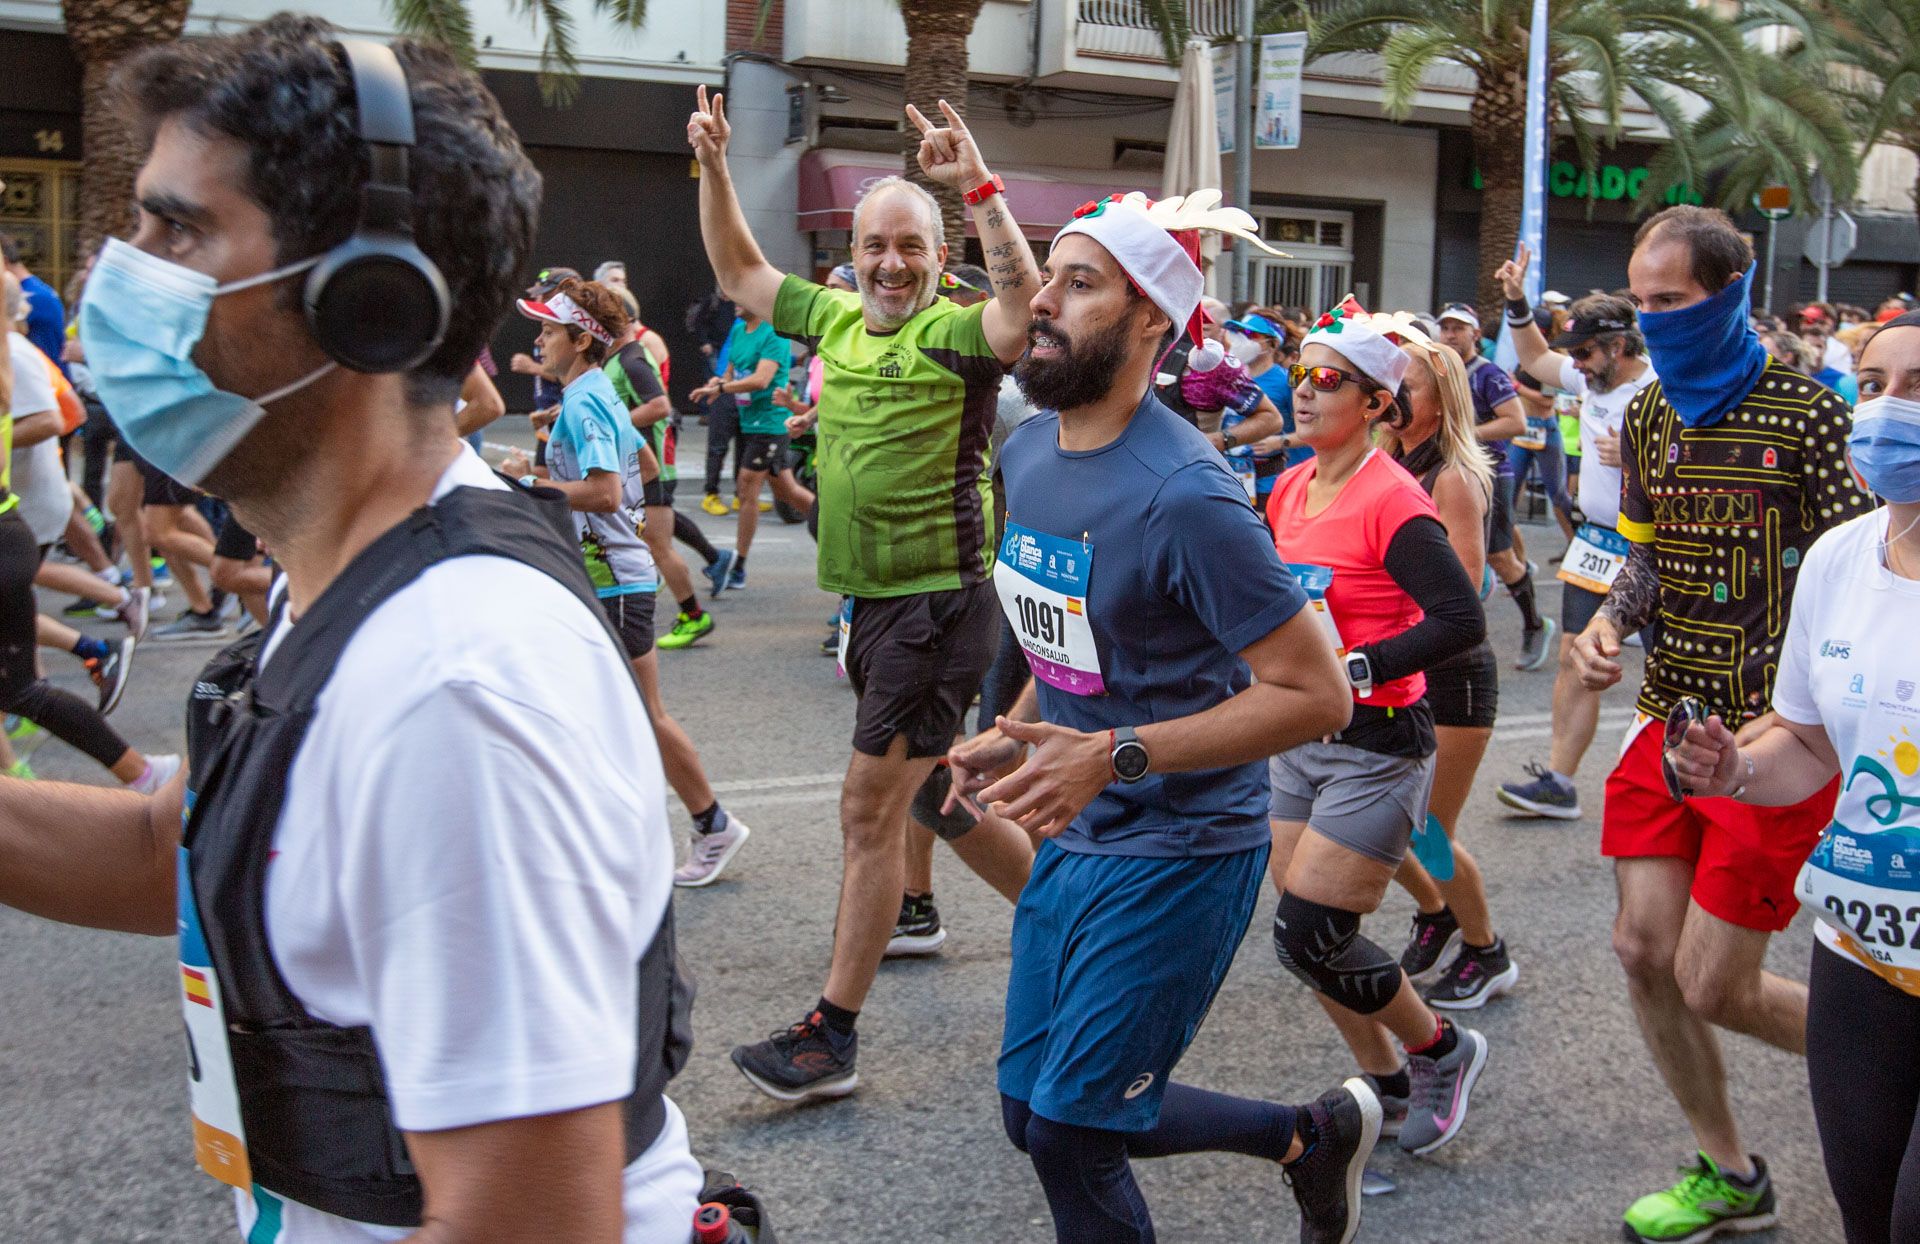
<point>1850,666</point>
<point>1600,414</point>
<point>474,854</point>
<point>38,480</point>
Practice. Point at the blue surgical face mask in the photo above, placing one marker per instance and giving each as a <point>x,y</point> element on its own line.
<point>140,319</point>
<point>1708,356</point>
<point>1885,447</point>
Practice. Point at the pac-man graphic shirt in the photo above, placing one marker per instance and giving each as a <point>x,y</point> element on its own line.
<point>1730,511</point>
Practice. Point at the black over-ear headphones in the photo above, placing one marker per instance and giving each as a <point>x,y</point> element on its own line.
<point>376,303</point>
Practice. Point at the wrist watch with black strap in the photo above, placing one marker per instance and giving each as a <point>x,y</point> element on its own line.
<point>1127,754</point>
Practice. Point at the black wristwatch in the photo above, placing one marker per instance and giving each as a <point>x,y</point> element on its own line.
<point>1128,755</point>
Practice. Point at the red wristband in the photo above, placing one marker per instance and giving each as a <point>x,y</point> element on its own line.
<point>984,191</point>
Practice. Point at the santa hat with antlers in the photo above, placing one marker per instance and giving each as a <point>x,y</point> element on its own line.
<point>1157,244</point>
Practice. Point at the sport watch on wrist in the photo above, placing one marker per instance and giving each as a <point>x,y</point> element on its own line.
<point>1360,673</point>
<point>984,191</point>
<point>1128,755</point>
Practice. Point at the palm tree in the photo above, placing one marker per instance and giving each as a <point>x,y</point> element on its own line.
<point>450,22</point>
<point>1765,119</point>
<point>1875,48</point>
<point>101,32</point>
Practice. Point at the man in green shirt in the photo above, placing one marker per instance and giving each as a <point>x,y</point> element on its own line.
<point>756,368</point>
<point>906,406</point>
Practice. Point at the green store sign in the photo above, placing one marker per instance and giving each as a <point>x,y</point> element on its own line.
<point>1567,180</point>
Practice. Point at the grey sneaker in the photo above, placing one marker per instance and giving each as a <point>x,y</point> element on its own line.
<point>1476,977</point>
<point>711,853</point>
<point>1441,1087</point>
<point>188,627</point>
<point>1546,795</point>
<point>1536,647</point>
<point>134,611</point>
<point>1431,940</point>
<point>918,930</point>
<point>110,673</point>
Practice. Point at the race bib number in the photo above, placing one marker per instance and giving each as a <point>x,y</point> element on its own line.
<point>1042,581</point>
<point>1866,886</point>
<point>219,1141</point>
<point>1243,470</point>
<point>846,632</point>
<point>1594,559</point>
<point>1535,437</point>
<point>1315,580</point>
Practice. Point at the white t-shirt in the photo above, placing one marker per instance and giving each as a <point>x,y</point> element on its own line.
<point>1600,414</point>
<point>474,854</point>
<point>1850,666</point>
<point>37,479</point>
<point>1837,356</point>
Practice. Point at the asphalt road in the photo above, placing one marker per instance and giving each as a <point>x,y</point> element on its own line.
<point>1570,1122</point>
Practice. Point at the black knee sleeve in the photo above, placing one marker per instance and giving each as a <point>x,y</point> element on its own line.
<point>1322,946</point>
<point>926,806</point>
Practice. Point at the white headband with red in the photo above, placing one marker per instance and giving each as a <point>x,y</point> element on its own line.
<point>560,309</point>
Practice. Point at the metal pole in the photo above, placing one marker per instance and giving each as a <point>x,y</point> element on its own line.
<point>1826,223</point>
<point>1243,106</point>
<point>1773,230</point>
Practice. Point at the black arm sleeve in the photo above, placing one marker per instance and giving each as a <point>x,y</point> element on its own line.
<point>1427,569</point>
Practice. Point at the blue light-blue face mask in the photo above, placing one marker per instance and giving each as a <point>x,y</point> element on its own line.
<point>1885,447</point>
<point>140,319</point>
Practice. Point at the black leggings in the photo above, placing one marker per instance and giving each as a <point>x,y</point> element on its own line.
<point>1861,1034</point>
<point>688,532</point>
<point>22,690</point>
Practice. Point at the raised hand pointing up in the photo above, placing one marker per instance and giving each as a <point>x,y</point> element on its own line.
<point>947,153</point>
<point>708,131</point>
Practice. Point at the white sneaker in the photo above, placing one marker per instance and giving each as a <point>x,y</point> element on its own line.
<point>135,610</point>
<point>711,853</point>
<point>160,771</point>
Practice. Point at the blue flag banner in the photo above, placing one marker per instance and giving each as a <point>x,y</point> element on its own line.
<point>1533,203</point>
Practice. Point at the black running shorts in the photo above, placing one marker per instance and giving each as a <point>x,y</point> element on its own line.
<point>762,453</point>
<point>632,618</point>
<point>916,662</point>
<point>659,492</point>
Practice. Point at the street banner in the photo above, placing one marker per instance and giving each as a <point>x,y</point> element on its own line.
<point>1282,57</point>
<point>1223,96</point>
<point>1533,202</point>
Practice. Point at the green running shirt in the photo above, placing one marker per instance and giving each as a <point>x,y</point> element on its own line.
<point>906,502</point>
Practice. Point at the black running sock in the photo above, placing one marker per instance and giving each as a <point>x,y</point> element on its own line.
<point>1309,1133</point>
<point>1399,1084</point>
<point>87,648</point>
<point>739,562</point>
<point>712,821</point>
<point>838,1018</point>
<point>1443,1043</point>
<point>1196,1120</point>
<point>1488,949</point>
<point>691,607</point>
<point>1521,590</point>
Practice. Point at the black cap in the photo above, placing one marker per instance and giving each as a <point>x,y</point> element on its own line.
<point>549,280</point>
<point>1584,328</point>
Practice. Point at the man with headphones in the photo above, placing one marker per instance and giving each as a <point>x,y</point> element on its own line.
<point>448,1006</point>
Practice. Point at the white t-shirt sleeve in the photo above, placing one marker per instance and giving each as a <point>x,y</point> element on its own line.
<point>1570,378</point>
<point>32,386</point>
<point>486,919</point>
<point>1793,693</point>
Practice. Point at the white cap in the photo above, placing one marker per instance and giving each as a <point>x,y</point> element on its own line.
<point>1150,256</point>
<point>1554,298</point>
<point>1351,331</point>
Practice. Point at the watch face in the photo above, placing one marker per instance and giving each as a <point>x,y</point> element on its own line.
<point>1130,761</point>
<point>1358,670</point>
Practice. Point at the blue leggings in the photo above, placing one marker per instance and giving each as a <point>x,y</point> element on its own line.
<point>1552,463</point>
<point>1085,1171</point>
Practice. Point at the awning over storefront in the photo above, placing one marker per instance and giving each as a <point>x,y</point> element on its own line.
<point>832,181</point>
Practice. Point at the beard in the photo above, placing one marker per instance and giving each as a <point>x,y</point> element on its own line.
<point>886,318</point>
<point>1081,376</point>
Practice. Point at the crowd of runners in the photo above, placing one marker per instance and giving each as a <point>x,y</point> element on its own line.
<point>1215,576</point>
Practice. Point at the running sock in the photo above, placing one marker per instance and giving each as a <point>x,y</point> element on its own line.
<point>1445,1038</point>
<point>87,648</point>
<point>1309,1133</point>
<point>1196,1120</point>
<point>1399,1084</point>
<point>1521,590</point>
<point>712,821</point>
<point>739,562</point>
<point>838,1018</point>
<point>691,607</point>
<point>1562,780</point>
<point>1487,949</point>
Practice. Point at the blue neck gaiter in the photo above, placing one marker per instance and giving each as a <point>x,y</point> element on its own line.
<point>1708,356</point>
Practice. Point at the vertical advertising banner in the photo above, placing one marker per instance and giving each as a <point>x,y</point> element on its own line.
<point>1282,58</point>
<point>1224,96</point>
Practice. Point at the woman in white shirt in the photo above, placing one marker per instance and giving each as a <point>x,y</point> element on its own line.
<point>1845,704</point>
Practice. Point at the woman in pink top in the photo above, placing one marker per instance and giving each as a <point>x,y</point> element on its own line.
<point>1365,540</point>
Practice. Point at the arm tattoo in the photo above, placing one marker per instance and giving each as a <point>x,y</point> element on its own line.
<point>1002,251</point>
<point>995,218</point>
<point>1635,598</point>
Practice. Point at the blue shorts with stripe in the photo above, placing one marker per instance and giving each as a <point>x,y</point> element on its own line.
<point>1116,960</point>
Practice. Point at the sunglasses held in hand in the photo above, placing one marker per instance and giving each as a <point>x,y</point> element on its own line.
<point>1686,712</point>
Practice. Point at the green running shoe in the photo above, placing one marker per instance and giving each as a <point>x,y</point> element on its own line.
<point>22,770</point>
<point>1703,1204</point>
<point>686,630</point>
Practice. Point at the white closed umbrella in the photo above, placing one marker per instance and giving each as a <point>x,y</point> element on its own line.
<point>1193,142</point>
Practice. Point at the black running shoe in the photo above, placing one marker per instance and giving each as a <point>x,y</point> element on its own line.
<point>1428,943</point>
<point>918,931</point>
<point>807,1060</point>
<point>1477,975</point>
<point>1326,1178</point>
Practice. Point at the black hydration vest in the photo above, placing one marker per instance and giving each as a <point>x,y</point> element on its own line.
<point>313,1101</point>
